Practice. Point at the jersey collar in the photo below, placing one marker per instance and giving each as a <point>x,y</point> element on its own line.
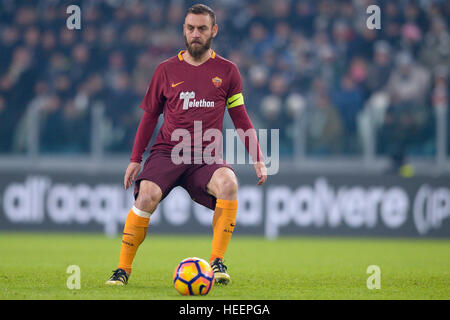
<point>180,55</point>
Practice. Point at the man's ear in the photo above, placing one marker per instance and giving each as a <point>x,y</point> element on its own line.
<point>215,29</point>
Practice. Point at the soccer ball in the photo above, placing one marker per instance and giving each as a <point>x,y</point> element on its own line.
<point>193,276</point>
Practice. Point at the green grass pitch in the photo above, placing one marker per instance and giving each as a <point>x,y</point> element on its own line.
<point>34,265</point>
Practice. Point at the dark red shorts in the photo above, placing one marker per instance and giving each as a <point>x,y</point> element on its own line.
<point>160,169</point>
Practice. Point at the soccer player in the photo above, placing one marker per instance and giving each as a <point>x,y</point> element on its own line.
<point>196,85</point>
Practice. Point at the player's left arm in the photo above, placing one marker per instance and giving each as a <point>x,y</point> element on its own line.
<point>248,136</point>
<point>243,124</point>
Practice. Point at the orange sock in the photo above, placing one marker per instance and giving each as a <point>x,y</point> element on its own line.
<point>134,233</point>
<point>223,223</point>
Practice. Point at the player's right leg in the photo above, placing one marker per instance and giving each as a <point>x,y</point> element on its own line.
<point>135,229</point>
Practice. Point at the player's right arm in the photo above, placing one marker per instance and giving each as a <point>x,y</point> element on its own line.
<point>143,135</point>
<point>152,104</point>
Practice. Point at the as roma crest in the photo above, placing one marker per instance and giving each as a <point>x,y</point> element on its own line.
<point>217,82</point>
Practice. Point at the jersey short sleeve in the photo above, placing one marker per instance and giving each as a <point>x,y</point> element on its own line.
<point>154,98</point>
<point>234,96</point>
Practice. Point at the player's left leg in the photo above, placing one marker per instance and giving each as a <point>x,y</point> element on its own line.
<point>224,187</point>
<point>215,186</point>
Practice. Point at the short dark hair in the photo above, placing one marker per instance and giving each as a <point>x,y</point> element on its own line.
<point>202,9</point>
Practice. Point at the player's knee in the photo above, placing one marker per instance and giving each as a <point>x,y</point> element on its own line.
<point>149,196</point>
<point>147,201</point>
<point>228,188</point>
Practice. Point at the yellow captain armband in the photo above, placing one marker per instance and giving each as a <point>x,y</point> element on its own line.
<point>235,100</point>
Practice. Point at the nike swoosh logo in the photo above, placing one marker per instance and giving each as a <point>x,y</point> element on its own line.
<point>175,84</point>
<point>232,224</point>
<point>230,103</point>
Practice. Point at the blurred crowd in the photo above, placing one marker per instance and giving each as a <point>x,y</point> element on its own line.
<point>313,69</point>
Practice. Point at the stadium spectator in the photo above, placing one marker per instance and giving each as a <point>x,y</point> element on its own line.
<point>324,127</point>
<point>440,96</point>
<point>348,98</point>
<point>408,119</point>
<point>381,67</point>
<point>409,82</point>
<point>15,86</point>
<point>436,46</point>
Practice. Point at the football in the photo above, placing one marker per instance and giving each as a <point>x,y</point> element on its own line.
<point>193,276</point>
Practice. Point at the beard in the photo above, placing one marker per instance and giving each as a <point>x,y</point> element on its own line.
<point>197,49</point>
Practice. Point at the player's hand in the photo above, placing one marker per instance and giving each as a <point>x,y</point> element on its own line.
<point>261,172</point>
<point>131,174</point>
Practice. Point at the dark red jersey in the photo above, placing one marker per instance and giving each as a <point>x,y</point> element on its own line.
<point>187,96</point>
